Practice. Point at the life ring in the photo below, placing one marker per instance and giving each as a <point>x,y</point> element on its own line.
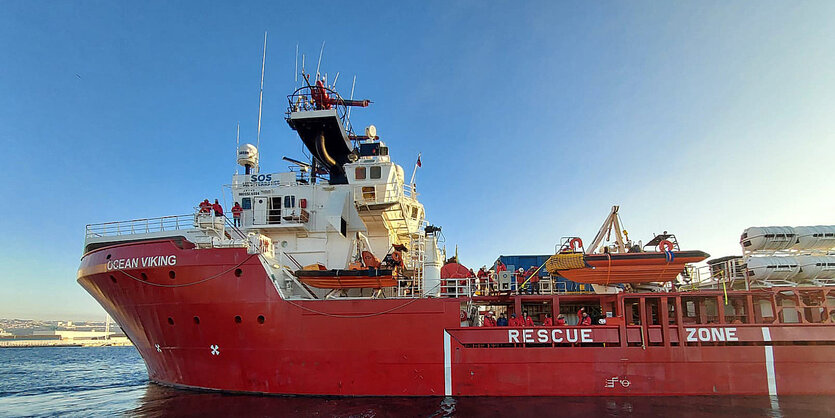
<point>576,243</point>
<point>665,246</point>
<point>397,257</point>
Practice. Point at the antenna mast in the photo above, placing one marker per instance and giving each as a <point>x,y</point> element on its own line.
<point>354,84</point>
<point>320,60</point>
<point>261,100</point>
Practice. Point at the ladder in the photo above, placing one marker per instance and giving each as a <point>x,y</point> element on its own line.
<point>417,259</point>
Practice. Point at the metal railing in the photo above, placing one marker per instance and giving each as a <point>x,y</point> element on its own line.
<point>461,287</point>
<point>306,98</point>
<point>370,194</point>
<point>140,226</point>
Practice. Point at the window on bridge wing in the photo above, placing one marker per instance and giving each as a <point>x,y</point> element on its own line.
<point>376,172</point>
<point>359,173</point>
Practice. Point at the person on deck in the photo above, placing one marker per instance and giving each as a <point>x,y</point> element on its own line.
<point>526,320</point>
<point>217,208</point>
<point>205,206</point>
<point>514,321</point>
<point>236,214</point>
<point>534,280</point>
<point>560,320</point>
<point>488,320</point>
<point>502,321</point>
<point>548,322</point>
<point>483,280</point>
<point>585,319</point>
<point>520,279</point>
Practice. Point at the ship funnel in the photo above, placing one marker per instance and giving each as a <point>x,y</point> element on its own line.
<point>248,157</point>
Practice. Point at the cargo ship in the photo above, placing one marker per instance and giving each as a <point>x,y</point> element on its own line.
<point>327,279</point>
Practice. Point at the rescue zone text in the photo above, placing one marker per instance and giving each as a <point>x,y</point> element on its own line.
<point>557,335</point>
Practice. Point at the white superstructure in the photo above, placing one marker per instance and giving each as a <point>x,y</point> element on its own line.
<point>349,199</point>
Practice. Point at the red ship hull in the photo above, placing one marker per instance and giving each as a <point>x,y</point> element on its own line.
<point>214,320</point>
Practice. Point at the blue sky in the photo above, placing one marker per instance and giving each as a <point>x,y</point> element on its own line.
<point>700,118</point>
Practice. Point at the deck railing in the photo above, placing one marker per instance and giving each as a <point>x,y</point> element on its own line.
<point>140,226</point>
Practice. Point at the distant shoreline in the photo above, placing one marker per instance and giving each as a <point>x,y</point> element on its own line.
<point>61,343</point>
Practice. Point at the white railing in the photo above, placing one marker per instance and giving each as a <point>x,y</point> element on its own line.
<point>454,288</point>
<point>140,226</point>
<point>391,192</point>
<point>410,191</point>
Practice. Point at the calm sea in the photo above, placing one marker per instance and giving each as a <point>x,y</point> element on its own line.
<point>112,381</point>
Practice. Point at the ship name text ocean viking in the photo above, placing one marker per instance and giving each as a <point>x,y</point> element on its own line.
<point>136,262</point>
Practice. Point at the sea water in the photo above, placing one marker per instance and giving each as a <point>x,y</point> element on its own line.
<point>112,381</point>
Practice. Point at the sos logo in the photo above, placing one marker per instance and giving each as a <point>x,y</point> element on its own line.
<point>261,177</point>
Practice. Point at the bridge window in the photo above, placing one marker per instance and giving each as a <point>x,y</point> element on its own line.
<point>246,203</point>
<point>376,172</point>
<point>359,173</point>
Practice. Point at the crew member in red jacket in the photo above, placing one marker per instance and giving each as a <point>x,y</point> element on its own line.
<point>533,277</point>
<point>548,322</point>
<point>514,321</point>
<point>205,206</point>
<point>483,280</point>
<point>526,320</point>
<point>217,208</point>
<point>560,320</point>
<point>488,321</point>
<point>584,318</point>
<point>236,213</point>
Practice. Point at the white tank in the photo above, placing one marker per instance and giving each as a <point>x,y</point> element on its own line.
<point>820,237</point>
<point>248,155</point>
<point>432,267</point>
<point>768,238</point>
<point>816,267</point>
<point>773,268</point>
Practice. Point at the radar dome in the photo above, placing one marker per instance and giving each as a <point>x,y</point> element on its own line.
<point>247,155</point>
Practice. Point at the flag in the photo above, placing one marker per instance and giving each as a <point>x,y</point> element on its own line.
<point>418,161</point>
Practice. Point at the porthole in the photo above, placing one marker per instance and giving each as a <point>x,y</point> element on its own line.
<point>261,319</point>
<point>144,276</point>
<point>170,321</point>
<point>238,319</point>
<point>108,256</point>
<point>238,272</point>
<point>197,320</point>
<point>112,279</point>
<point>171,274</point>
